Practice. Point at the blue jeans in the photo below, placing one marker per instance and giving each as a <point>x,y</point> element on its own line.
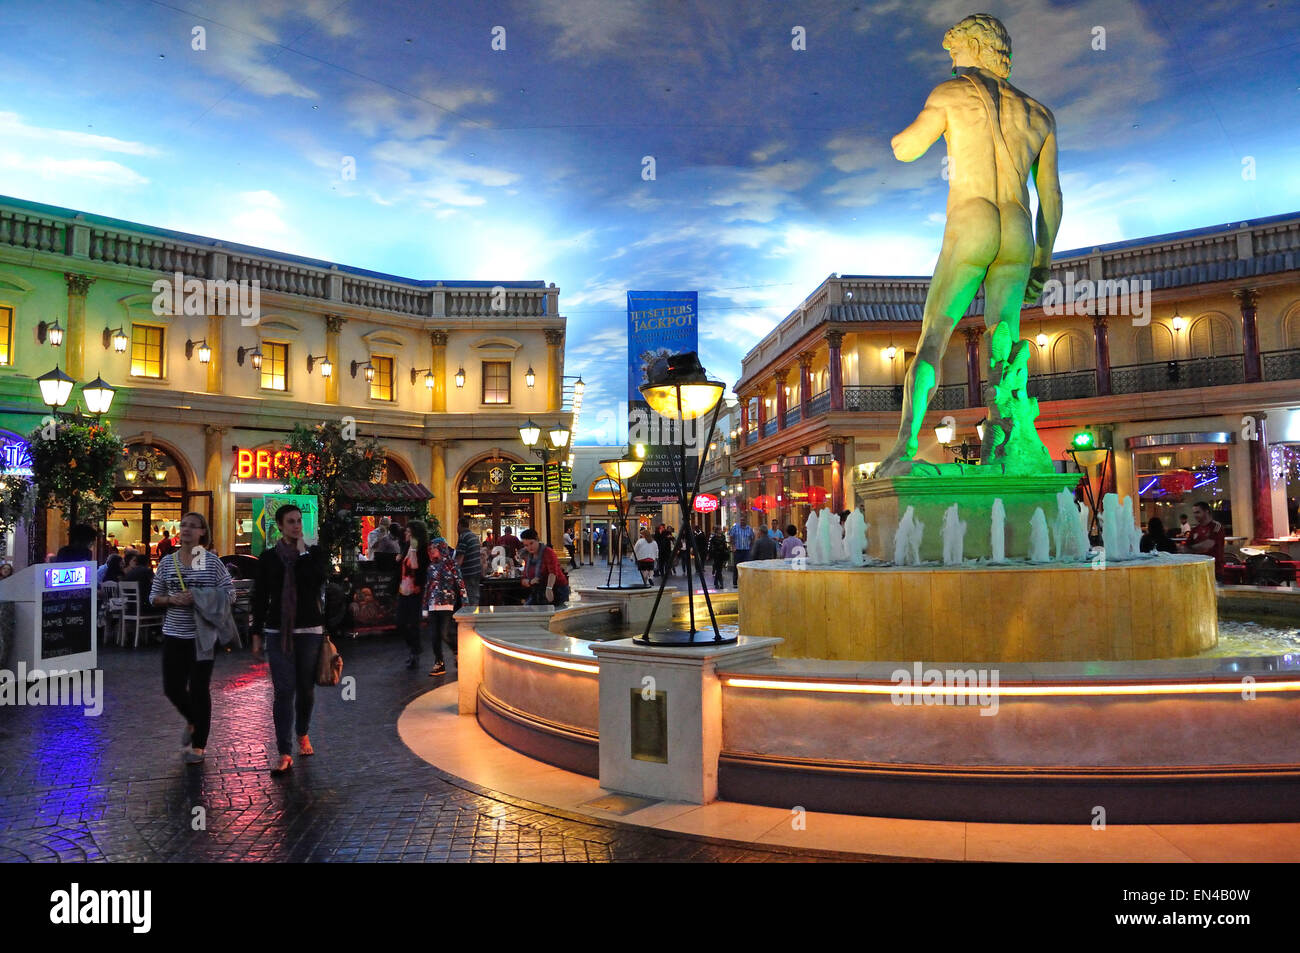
<point>294,678</point>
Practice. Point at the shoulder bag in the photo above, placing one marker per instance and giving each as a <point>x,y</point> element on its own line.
<point>329,664</point>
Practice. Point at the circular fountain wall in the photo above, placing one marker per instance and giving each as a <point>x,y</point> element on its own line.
<point>1158,607</point>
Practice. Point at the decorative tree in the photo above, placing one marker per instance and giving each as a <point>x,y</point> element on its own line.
<point>319,460</point>
<point>74,466</point>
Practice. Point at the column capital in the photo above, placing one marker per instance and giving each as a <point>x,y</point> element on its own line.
<point>834,338</point>
<point>781,375</point>
<point>1099,322</point>
<point>437,443</point>
<point>554,337</point>
<point>438,338</point>
<point>838,441</point>
<point>1248,297</point>
<point>973,332</point>
<point>215,430</point>
<point>805,359</point>
<point>334,323</point>
<point>78,284</point>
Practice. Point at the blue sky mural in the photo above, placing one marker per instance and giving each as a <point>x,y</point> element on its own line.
<point>391,135</point>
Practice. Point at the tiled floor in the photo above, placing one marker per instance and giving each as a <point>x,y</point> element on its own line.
<point>112,788</point>
<point>431,727</point>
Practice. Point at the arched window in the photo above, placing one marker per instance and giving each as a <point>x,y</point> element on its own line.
<point>1071,352</point>
<point>1291,327</point>
<point>394,471</point>
<point>1153,344</point>
<point>1210,335</point>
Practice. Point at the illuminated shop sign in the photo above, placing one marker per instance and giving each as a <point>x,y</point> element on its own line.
<point>265,464</point>
<point>706,503</point>
<point>61,578</point>
<point>14,458</point>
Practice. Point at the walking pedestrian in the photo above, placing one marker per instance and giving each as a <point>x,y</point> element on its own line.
<point>719,553</point>
<point>446,594</point>
<point>568,548</point>
<point>469,560</point>
<point>187,676</point>
<point>645,550</point>
<point>742,541</point>
<point>413,573</point>
<point>288,627</point>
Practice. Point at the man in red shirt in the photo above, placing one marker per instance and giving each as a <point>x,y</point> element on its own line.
<point>545,581</point>
<point>1206,537</point>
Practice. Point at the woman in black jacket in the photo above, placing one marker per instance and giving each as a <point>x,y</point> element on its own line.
<point>287,623</point>
<point>413,573</point>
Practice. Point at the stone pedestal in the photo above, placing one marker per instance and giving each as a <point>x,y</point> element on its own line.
<point>887,498</point>
<point>518,623</point>
<point>661,716</point>
<point>635,605</point>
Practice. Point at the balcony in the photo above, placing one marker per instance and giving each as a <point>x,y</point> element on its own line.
<point>1177,375</point>
<point>1224,370</point>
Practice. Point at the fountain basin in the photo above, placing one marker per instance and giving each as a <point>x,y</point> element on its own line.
<point>1158,607</point>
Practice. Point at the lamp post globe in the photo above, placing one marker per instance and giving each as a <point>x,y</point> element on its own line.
<point>56,388</point>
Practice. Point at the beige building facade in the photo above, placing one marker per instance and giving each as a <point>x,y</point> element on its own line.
<point>442,373</point>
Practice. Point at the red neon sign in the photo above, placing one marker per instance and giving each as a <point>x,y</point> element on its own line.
<point>265,464</point>
<point>706,503</point>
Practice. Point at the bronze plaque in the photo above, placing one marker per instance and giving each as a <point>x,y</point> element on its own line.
<point>650,726</point>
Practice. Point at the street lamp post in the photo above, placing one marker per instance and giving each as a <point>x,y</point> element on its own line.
<point>624,468</point>
<point>679,389</point>
<point>558,440</point>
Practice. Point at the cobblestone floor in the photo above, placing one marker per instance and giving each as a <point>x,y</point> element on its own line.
<point>113,788</point>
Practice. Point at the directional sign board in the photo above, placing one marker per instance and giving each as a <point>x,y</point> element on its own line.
<point>526,478</point>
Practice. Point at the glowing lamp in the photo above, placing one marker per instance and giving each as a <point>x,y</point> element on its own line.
<point>559,435</point>
<point>890,352</point>
<point>460,377</point>
<point>1179,322</point>
<point>624,468</point>
<point>530,433</point>
<point>1041,339</point>
<point>678,388</point>
<point>99,396</point>
<point>639,450</point>
<point>579,387</point>
<point>1164,460</point>
<point>56,388</point>
<point>945,433</point>
<point>529,377</point>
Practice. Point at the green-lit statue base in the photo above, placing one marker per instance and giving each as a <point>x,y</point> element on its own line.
<point>973,489</point>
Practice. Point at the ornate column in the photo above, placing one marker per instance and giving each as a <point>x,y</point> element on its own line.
<point>839,472</point>
<point>833,341</point>
<point>443,496</point>
<point>1102,342</point>
<point>438,361</point>
<point>1261,480</point>
<point>216,338</point>
<point>805,383</point>
<point>974,395</point>
<point>780,377</point>
<point>554,371</point>
<point>1248,298</point>
<point>333,325</point>
<point>762,413</point>
<point>214,478</point>
<point>744,421</point>
<point>74,337</point>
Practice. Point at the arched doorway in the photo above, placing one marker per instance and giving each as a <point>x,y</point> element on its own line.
<point>150,495</point>
<point>395,471</point>
<point>484,498</point>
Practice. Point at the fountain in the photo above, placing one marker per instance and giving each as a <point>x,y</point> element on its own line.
<point>954,534</point>
<point>907,541</point>
<point>1038,549</point>
<point>855,539</point>
<point>1071,539</point>
<point>810,533</point>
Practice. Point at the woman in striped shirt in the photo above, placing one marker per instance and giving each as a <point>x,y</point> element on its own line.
<point>185,677</point>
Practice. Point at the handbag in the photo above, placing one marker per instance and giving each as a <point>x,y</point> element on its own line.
<point>329,664</point>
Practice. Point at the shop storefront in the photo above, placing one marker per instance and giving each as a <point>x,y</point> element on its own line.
<point>484,498</point>
<point>150,495</point>
<point>1175,471</point>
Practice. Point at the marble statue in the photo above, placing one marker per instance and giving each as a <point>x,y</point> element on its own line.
<point>998,138</point>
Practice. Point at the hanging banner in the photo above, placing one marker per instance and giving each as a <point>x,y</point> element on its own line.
<point>659,324</point>
<point>265,531</point>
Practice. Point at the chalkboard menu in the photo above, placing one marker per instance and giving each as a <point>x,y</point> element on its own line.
<point>374,597</point>
<point>65,622</point>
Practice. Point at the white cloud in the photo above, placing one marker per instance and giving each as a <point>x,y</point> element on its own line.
<point>12,126</point>
<point>593,28</point>
<point>380,112</point>
<point>103,171</point>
